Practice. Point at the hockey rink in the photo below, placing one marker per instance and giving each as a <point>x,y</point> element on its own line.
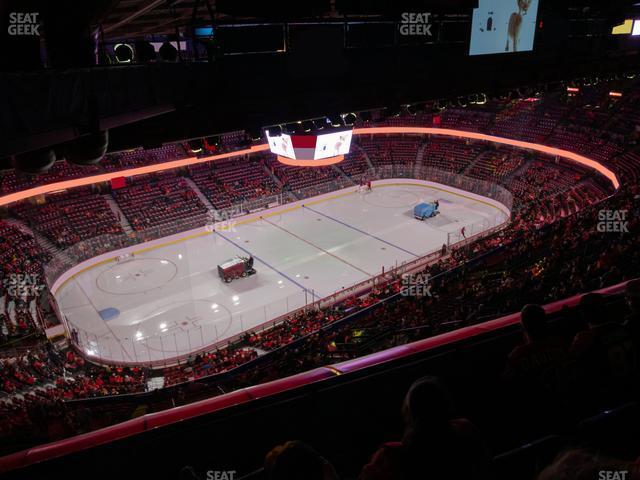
<point>168,301</point>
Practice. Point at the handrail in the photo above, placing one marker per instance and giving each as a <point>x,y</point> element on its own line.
<point>153,420</point>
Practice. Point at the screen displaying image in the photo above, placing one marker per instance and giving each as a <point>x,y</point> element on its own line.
<point>281,145</point>
<point>503,26</point>
<point>332,144</point>
<point>204,31</point>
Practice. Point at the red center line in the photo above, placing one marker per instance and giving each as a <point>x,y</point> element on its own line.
<point>316,246</point>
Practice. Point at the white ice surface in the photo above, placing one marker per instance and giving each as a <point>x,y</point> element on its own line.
<point>169,301</point>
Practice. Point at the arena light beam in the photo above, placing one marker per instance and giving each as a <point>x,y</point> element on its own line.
<point>79,182</point>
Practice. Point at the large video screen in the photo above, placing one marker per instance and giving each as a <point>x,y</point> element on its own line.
<point>281,145</point>
<point>311,147</point>
<point>503,26</point>
<point>332,144</point>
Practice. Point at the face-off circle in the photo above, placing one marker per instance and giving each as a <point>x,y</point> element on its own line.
<point>136,276</point>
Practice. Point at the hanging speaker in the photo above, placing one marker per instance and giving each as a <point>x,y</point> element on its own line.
<point>88,149</point>
<point>38,161</point>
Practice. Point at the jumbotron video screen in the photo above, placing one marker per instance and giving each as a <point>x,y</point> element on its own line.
<point>500,26</point>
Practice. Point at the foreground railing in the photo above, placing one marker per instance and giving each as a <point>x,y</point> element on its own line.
<point>177,345</point>
<point>258,393</point>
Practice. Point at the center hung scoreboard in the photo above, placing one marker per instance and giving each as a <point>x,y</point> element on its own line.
<point>311,149</point>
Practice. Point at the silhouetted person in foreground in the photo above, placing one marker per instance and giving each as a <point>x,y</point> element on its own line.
<point>435,445</point>
<point>533,373</point>
<point>541,352</point>
<point>604,354</point>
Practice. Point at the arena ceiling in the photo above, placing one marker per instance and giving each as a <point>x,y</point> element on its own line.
<point>183,96</point>
<point>138,18</point>
<point>134,18</point>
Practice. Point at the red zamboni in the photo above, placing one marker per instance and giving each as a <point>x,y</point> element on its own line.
<point>235,268</point>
